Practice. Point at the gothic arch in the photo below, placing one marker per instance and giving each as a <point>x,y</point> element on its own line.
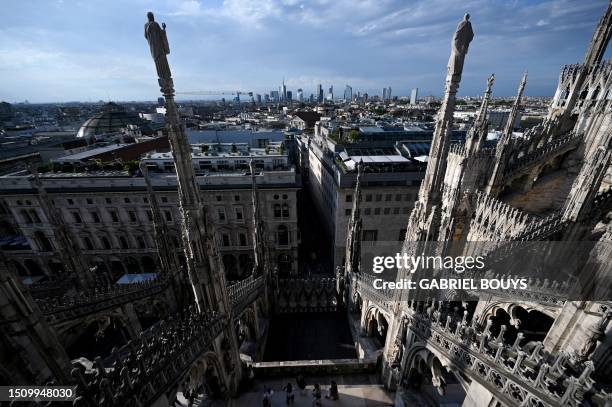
<point>206,376</point>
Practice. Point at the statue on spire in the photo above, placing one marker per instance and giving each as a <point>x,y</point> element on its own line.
<point>460,44</point>
<point>158,43</point>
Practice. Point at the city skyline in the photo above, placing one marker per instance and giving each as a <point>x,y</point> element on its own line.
<point>251,46</point>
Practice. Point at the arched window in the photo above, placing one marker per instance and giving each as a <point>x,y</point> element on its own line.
<point>34,216</point>
<point>26,216</point>
<point>44,245</point>
<point>285,211</point>
<point>105,243</point>
<point>141,242</point>
<point>282,235</point>
<point>87,244</point>
<point>124,243</point>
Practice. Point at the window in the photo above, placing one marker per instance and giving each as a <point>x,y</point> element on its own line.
<point>132,216</point>
<point>368,197</point>
<point>396,211</point>
<point>126,200</point>
<point>349,198</point>
<point>145,200</point>
<point>283,235</point>
<point>168,216</point>
<point>370,235</point>
<point>402,235</point>
<point>77,217</point>
<point>114,216</point>
<point>105,243</point>
<point>276,196</point>
<point>221,214</point>
<point>89,201</point>
<point>406,210</point>
<point>367,211</point>
<point>408,197</point>
<point>285,196</point>
<point>108,200</point>
<point>34,215</point>
<point>388,197</point>
<point>237,198</point>
<point>43,242</point>
<point>387,211</point>
<point>225,240</point>
<point>277,210</point>
<point>347,212</point>
<point>243,240</point>
<point>219,198</point>
<point>141,242</point>
<point>26,216</point>
<point>376,211</point>
<point>285,212</point>
<point>95,217</point>
<point>239,215</point>
<point>70,201</point>
<point>378,197</point>
<point>398,197</point>
<point>123,242</point>
<point>164,199</point>
<point>87,244</point>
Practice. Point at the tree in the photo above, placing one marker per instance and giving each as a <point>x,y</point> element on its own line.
<point>353,136</point>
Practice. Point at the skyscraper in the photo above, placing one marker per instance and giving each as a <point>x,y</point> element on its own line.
<point>274,96</point>
<point>414,94</point>
<point>284,91</point>
<point>288,95</point>
<point>348,93</point>
<point>300,95</point>
<point>320,93</point>
<point>258,98</point>
<point>330,93</point>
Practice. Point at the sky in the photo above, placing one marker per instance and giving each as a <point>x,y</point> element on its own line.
<point>90,50</point>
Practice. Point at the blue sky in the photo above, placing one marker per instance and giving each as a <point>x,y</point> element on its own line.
<point>64,50</point>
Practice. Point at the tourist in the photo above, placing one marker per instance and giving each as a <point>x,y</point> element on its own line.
<point>332,393</point>
<point>289,389</point>
<point>316,395</point>
<point>301,383</point>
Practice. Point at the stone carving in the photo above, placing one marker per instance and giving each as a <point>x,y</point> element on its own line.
<point>460,44</point>
<point>596,332</point>
<point>158,43</point>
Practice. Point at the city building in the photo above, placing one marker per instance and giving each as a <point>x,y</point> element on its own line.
<point>304,120</point>
<point>414,95</point>
<point>348,93</point>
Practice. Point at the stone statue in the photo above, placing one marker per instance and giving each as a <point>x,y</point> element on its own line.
<point>596,332</point>
<point>461,42</point>
<point>158,43</point>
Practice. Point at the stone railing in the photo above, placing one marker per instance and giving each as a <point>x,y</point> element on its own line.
<point>314,294</point>
<point>244,292</point>
<point>365,287</point>
<point>50,288</point>
<point>516,375</point>
<point>328,367</point>
<point>66,307</point>
<point>547,151</point>
<point>148,369</point>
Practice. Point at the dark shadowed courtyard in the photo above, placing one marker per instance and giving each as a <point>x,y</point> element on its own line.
<point>308,336</point>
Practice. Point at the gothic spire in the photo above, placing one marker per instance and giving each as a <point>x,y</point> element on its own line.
<point>504,144</point>
<point>478,133</point>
